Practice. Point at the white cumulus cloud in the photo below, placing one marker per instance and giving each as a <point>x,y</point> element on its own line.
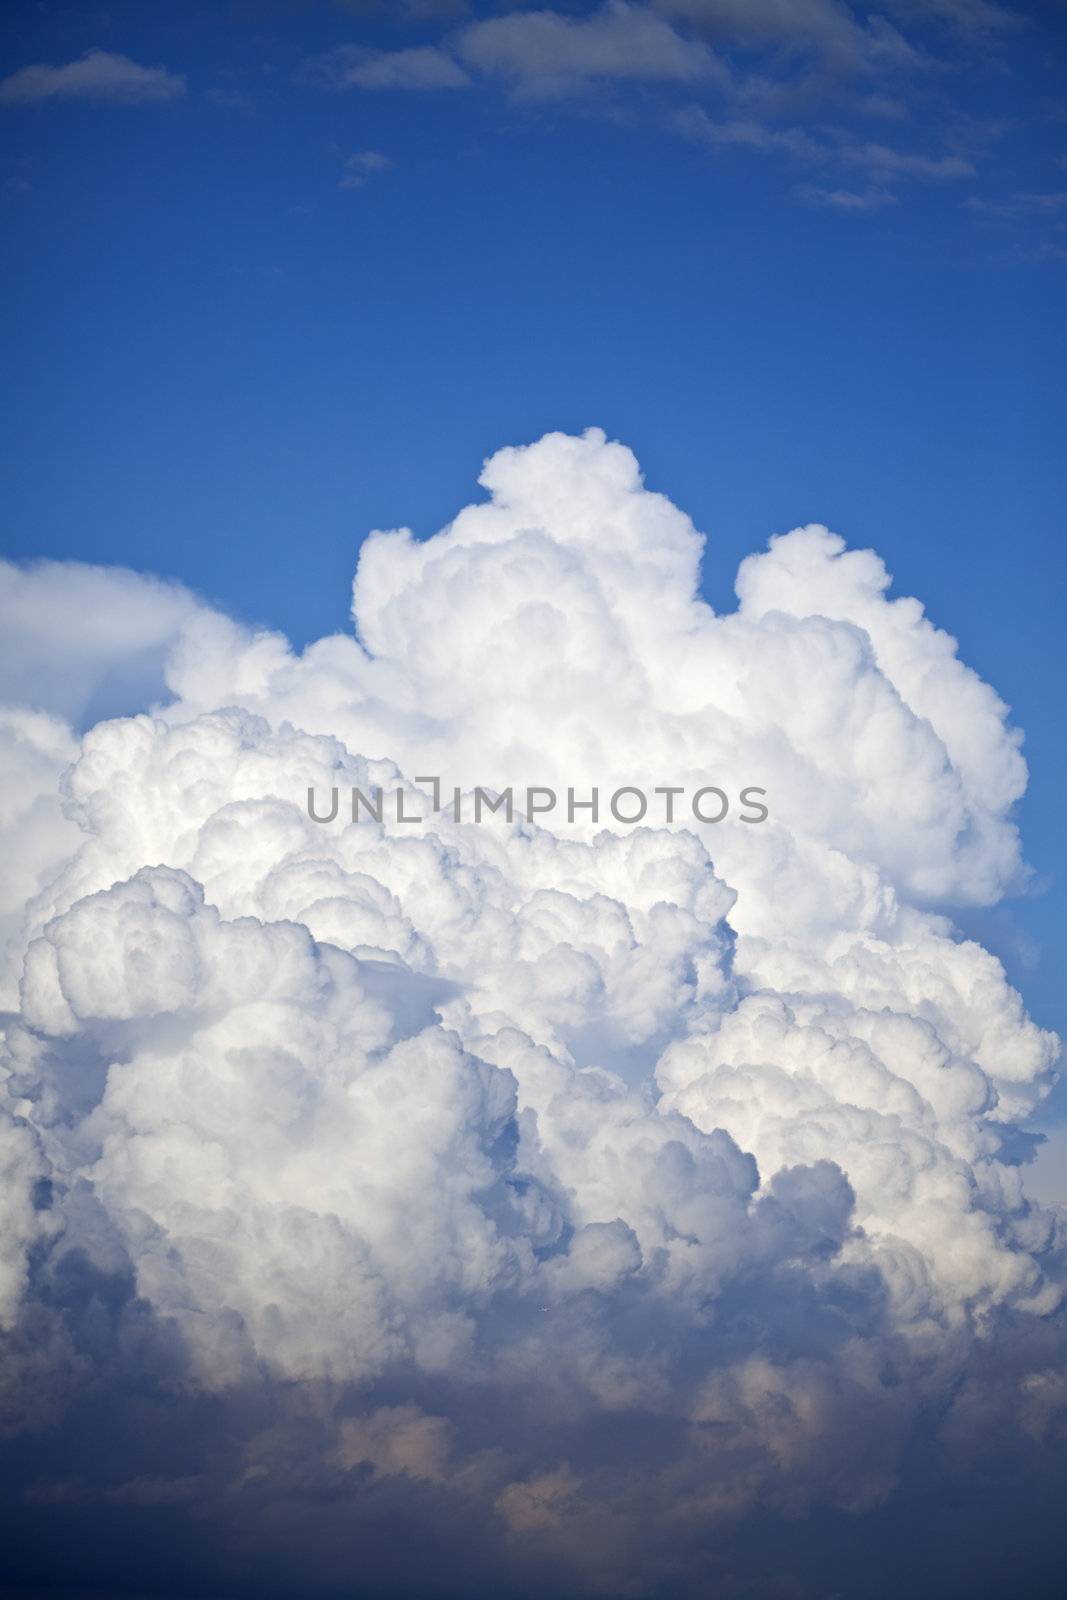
<point>596,1181</point>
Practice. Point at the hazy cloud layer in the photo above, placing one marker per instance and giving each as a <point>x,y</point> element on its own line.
<point>515,1207</point>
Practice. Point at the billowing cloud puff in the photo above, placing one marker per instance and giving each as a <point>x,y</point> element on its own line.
<point>587,1182</point>
<point>86,642</point>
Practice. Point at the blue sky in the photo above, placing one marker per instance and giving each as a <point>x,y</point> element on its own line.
<point>281,273</point>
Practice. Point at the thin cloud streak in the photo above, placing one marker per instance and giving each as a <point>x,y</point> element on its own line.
<point>878,161</point>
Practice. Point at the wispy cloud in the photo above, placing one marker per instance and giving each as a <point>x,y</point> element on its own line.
<point>543,53</point>
<point>796,79</point>
<point>881,158</point>
<point>824,29</point>
<point>98,75</point>
<point>1020,205</point>
<point>879,161</point>
<point>1034,223</point>
<point>783,52</point>
<point>967,16</point>
<point>845,199</point>
<point>886,106</point>
<point>362,166</point>
<point>425,67</point>
<point>539,54</point>
<point>407,10</point>
<point>748,134</point>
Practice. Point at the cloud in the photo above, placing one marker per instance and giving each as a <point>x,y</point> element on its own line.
<point>98,75</point>
<point>1048,205</point>
<point>540,53</point>
<point>832,32</point>
<point>793,76</point>
<point>787,77</point>
<point>846,199</point>
<point>880,162</point>
<point>884,106</point>
<point>1032,214</point>
<point>422,67</point>
<point>978,17</point>
<point>86,642</point>
<point>748,134</point>
<point>544,53</point>
<point>824,28</point>
<point>361,166</point>
<point>880,159</point>
<point>77,644</point>
<point>411,10</point>
<point>533,1202</point>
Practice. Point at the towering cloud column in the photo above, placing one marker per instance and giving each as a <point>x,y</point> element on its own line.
<point>589,1180</point>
